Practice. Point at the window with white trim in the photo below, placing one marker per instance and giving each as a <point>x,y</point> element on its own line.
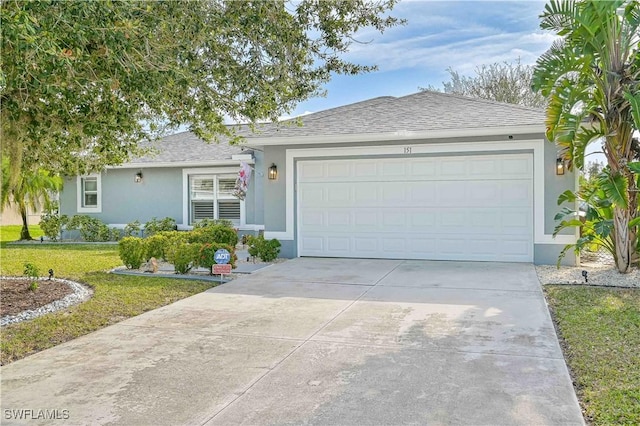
<point>211,197</point>
<point>89,194</point>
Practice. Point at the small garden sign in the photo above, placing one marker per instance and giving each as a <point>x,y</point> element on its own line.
<point>222,258</point>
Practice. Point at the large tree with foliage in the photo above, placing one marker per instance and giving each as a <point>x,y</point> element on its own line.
<point>82,83</point>
<point>591,78</point>
<point>501,82</point>
<point>31,191</point>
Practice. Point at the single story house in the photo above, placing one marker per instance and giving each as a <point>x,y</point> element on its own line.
<point>424,176</point>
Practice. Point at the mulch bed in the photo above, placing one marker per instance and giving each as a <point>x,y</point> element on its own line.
<point>16,297</point>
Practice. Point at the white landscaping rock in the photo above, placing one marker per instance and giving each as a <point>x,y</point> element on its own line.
<point>597,274</point>
<point>80,294</point>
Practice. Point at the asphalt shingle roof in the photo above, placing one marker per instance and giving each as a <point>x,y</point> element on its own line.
<point>423,111</point>
<point>419,112</point>
<point>186,147</point>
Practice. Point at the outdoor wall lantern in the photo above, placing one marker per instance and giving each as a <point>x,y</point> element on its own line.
<point>273,172</point>
<point>138,177</point>
<point>559,166</point>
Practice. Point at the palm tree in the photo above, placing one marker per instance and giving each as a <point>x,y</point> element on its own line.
<point>590,76</point>
<point>29,190</point>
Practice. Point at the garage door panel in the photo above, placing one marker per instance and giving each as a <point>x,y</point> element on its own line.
<point>393,169</point>
<point>366,245</point>
<point>423,219</point>
<point>394,245</point>
<point>515,249</point>
<point>483,168</point>
<point>339,170</point>
<point>366,170</point>
<point>516,219</point>
<point>514,168</point>
<point>313,219</point>
<point>339,244</point>
<point>423,169</point>
<point>312,244</point>
<point>422,193</point>
<point>452,167</point>
<point>339,218</point>
<point>454,220</point>
<point>516,193</point>
<point>312,196</point>
<point>444,208</point>
<point>365,194</point>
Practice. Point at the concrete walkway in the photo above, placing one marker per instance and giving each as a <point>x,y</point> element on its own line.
<point>317,341</point>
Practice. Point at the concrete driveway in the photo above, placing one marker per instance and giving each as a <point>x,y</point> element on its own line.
<point>317,341</point>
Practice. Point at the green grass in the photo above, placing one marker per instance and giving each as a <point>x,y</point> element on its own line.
<point>600,328</point>
<point>116,297</point>
<point>12,232</point>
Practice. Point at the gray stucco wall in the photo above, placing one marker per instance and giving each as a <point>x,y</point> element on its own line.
<point>547,254</point>
<point>124,201</point>
<point>275,191</point>
<point>554,185</point>
<point>254,202</point>
<point>160,194</point>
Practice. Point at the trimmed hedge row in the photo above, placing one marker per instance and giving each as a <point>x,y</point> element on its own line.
<point>184,249</point>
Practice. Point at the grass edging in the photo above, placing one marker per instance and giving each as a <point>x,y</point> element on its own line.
<point>599,332</point>
<point>116,298</point>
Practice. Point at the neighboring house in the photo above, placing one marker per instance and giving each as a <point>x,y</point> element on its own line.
<point>424,176</point>
<point>11,216</point>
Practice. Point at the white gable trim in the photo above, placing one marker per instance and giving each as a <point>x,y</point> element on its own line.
<point>535,145</point>
<point>406,135</point>
<point>162,164</point>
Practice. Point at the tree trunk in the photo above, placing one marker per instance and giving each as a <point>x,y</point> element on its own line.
<point>623,240</point>
<point>24,233</point>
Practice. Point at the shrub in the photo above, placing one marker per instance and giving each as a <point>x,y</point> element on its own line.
<point>172,238</point>
<point>132,229</point>
<point>115,234</point>
<point>131,251</point>
<point>31,271</point>
<point>206,223</point>
<point>156,225</point>
<point>51,224</point>
<point>214,234</point>
<point>91,229</point>
<point>183,256</point>
<point>266,250</point>
<point>206,252</point>
<point>155,246</point>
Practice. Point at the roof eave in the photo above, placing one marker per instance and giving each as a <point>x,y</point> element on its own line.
<point>397,136</point>
<point>180,164</point>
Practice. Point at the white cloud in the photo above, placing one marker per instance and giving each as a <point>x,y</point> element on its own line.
<point>458,35</point>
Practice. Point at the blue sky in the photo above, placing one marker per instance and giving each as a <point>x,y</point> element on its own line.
<point>438,35</point>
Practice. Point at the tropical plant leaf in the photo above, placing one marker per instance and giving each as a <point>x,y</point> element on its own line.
<point>634,100</point>
<point>566,224</point>
<point>603,228</point>
<point>564,213</point>
<point>634,167</point>
<point>567,196</point>
<point>616,189</point>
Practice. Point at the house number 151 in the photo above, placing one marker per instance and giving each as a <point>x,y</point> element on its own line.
<point>407,150</point>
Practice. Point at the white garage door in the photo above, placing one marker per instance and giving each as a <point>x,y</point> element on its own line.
<point>475,207</point>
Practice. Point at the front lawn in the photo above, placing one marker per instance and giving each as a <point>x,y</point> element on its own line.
<point>116,297</point>
<point>600,331</point>
<point>12,232</point>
